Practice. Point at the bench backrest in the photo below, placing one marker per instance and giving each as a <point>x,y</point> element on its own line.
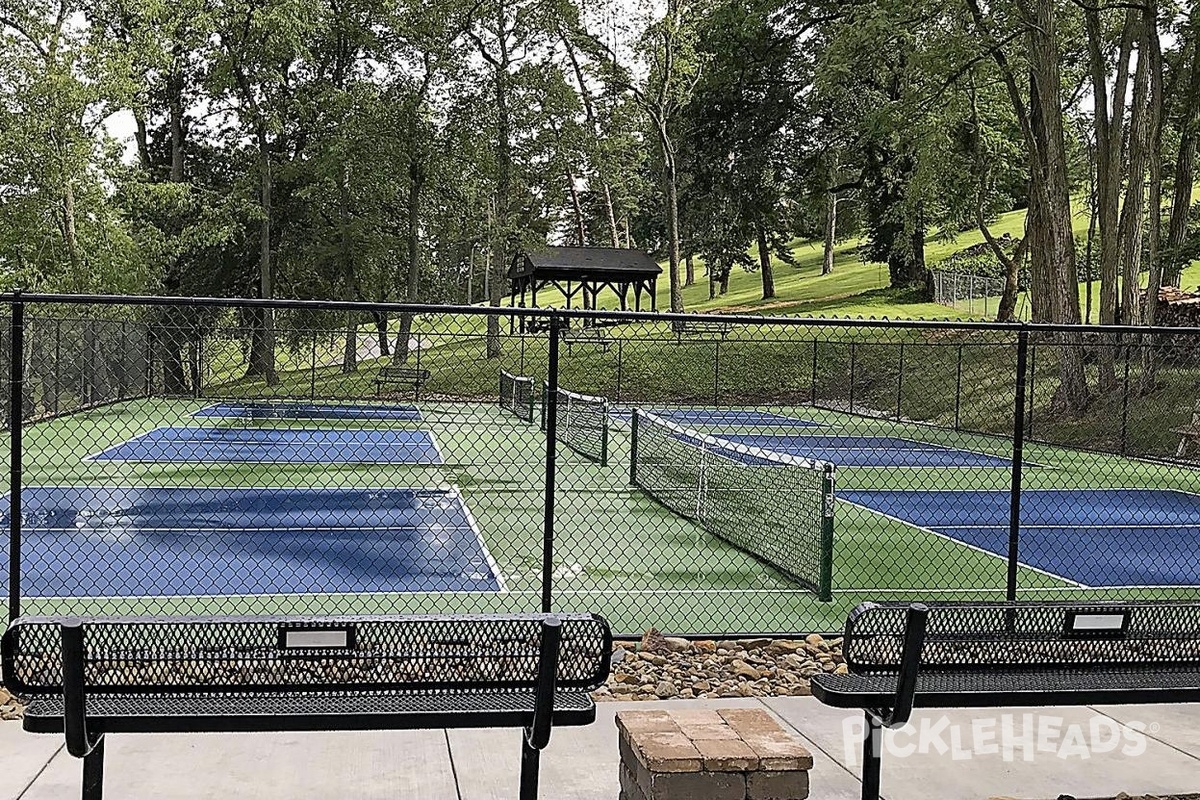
<point>1029,635</point>
<point>262,654</point>
<point>402,373</point>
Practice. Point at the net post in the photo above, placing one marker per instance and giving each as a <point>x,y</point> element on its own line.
<point>633,447</point>
<point>1014,513</point>
<point>825,583</point>
<point>16,388</point>
<point>532,399</point>
<point>550,412</point>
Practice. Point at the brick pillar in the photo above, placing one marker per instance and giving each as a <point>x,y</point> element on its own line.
<point>702,754</point>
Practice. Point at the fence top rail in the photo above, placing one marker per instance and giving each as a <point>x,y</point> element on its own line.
<point>749,320</point>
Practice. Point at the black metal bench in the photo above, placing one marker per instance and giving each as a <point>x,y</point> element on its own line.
<point>91,677</point>
<point>701,328</point>
<point>401,376</point>
<point>987,655</point>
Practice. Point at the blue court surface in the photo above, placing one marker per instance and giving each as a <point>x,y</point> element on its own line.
<point>716,417</point>
<point>276,446</point>
<point>868,451</point>
<point>1100,537</point>
<point>155,542</point>
<point>281,410</point>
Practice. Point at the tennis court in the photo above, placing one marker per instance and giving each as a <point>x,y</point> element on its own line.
<point>867,451</point>
<point>314,411</point>
<point>91,541</point>
<point>176,444</point>
<point>1099,538</point>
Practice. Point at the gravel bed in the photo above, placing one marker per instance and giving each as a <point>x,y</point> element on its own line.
<point>661,667</point>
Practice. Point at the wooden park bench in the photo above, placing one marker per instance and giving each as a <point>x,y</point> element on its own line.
<point>985,655</point>
<point>414,379</point>
<point>1190,434</point>
<point>87,678</point>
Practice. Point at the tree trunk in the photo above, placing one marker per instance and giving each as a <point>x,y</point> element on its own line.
<point>1149,380</point>
<point>262,341</point>
<point>416,183</point>
<point>175,85</point>
<point>831,204</point>
<point>71,238</point>
<point>1052,265</point>
<point>381,332</point>
<point>577,210</point>
<point>1132,224</point>
<point>499,239</point>
<point>669,179</point>
<point>764,264</point>
<point>589,111</point>
<point>689,269</point>
<point>1185,161</point>
<point>350,351</point>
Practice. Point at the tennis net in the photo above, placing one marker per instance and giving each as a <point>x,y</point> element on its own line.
<point>776,507</point>
<point>581,424</point>
<point>517,394</point>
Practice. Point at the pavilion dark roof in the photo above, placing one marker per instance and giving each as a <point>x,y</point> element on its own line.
<point>611,263</point>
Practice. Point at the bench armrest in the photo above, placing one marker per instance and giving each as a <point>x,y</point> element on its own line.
<point>910,667</point>
<point>538,734</point>
<point>79,742</point>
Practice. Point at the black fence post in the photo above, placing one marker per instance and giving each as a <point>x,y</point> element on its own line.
<point>1018,453</point>
<point>1125,402</point>
<point>550,409</point>
<point>1032,390</point>
<point>55,386</point>
<point>958,391</point>
<point>16,404</point>
<point>900,383</point>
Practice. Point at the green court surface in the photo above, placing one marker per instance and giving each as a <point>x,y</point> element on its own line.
<point>615,551</point>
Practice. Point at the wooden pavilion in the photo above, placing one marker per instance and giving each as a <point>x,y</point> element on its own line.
<point>584,272</point>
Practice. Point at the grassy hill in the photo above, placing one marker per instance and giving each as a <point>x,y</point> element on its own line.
<point>854,289</point>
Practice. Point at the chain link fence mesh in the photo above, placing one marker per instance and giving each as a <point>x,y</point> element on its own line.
<point>298,458</point>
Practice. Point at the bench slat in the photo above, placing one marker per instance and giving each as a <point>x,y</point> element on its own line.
<point>274,711</point>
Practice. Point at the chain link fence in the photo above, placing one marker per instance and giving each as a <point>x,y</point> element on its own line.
<point>966,291</point>
<point>187,457</point>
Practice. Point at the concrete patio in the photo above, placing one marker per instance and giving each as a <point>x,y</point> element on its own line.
<point>581,763</point>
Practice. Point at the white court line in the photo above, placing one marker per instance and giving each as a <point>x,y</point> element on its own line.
<point>976,548</point>
<point>474,526</point>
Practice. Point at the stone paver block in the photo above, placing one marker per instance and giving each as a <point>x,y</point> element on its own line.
<point>698,786</point>
<point>775,748</point>
<point>645,721</point>
<point>726,755</point>
<point>765,785</point>
<point>667,752</point>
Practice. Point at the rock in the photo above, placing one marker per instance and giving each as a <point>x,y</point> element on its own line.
<point>783,646</point>
<point>653,641</point>
<point>625,677</point>
<point>675,644</point>
<point>815,639</point>
<point>705,646</point>
<point>618,655</point>
<point>665,690</point>
<point>701,686</point>
<point>744,670</point>
<point>653,658</point>
<point>841,669</point>
<point>754,644</point>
